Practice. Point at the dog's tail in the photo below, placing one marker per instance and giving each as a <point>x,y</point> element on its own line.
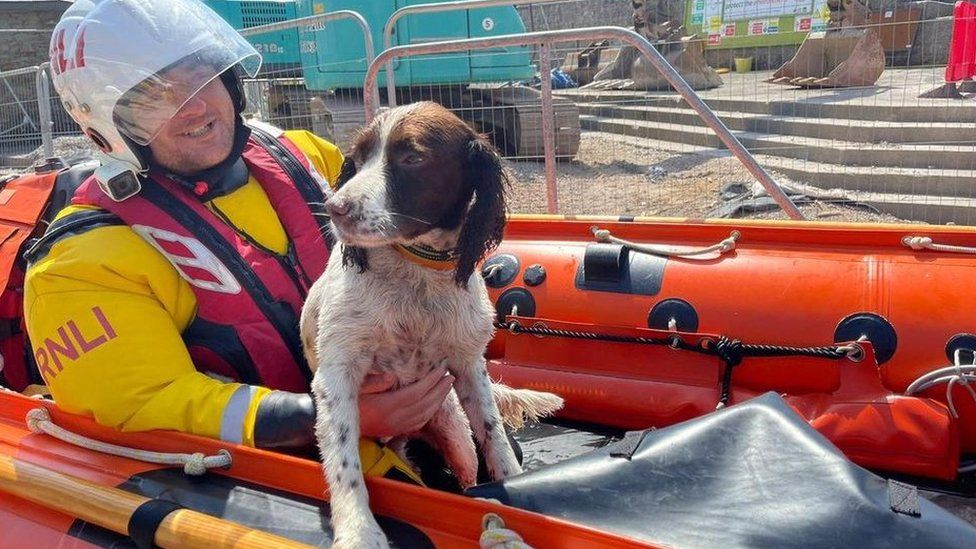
<point>520,405</point>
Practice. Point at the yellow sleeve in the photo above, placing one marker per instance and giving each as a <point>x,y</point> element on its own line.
<point>325,156</point>
<point>104,313</point>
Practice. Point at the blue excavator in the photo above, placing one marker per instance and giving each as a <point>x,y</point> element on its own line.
<point>486,87</point>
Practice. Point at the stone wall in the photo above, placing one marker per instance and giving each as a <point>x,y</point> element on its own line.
<point>572,15</point>
<point>26,47</point>
<point>23,49</point>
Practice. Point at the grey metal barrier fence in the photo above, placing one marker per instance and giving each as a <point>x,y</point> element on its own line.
<point>316,23</point>
<point>544,40</point>
<point>419,9</point>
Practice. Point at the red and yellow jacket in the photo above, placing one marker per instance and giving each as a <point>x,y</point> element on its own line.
<point>125,310</point>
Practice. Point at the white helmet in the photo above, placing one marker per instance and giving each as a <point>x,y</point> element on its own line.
<point>124,68</point>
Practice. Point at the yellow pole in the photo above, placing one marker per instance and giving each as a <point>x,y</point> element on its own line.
<point>111,508</point>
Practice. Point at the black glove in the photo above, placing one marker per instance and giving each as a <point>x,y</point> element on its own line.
<point>286,422</point>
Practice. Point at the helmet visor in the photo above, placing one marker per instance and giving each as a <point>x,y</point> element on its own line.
<point>141,112</point>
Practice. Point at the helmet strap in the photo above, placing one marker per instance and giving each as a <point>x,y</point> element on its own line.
<point>231,79</point>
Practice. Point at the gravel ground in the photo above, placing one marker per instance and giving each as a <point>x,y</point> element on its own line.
<point>614,175</point>
<point>67,147</point>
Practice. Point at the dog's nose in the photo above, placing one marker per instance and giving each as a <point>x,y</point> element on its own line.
<point>337,208</point>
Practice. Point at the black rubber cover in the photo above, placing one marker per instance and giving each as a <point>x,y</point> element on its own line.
<point>879,332</point>
<point>966,342</point>
<point>145,520</point>
<point>684,315</point>
<point>752,475</point>
<point>518,297</point>
<point>534,275</point>
<point>286,422</point>
<point>612,268</point>
<point>504,268</point>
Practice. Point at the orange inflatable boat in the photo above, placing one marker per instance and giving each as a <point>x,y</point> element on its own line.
<point>631,339</point>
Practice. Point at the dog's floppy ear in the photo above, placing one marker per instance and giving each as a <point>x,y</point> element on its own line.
<point>485,221</point>
<point>355,256</point>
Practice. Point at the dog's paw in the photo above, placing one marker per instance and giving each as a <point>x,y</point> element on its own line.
<point>365,538</point>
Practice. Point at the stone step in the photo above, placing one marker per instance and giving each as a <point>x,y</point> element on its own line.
<point>938,210</point>
<point>907,181</point>
<point>932,111</point>
<point>952,157</point>
<point>823,128</point>
<point>911,194</point>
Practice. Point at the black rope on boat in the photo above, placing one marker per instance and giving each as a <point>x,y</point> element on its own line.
<point>758,350</point>
<point>517,328</point>
<point>729,351</point>
<point>732,351</point>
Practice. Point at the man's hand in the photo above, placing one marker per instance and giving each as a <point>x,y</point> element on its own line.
<point>385,412</point>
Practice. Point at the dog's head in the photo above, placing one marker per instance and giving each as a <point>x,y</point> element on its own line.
<point>419,175</point>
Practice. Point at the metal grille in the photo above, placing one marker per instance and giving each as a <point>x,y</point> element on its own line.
<point>254,14</point>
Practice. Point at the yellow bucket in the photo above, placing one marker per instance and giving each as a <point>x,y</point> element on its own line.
<point>743,64</point>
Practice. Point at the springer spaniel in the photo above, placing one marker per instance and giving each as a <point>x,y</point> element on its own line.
<point>419,203</point>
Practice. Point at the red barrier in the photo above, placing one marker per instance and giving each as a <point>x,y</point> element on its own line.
<point>962,48</point>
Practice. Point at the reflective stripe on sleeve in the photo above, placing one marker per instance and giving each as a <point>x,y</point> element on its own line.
<point>232,424</point>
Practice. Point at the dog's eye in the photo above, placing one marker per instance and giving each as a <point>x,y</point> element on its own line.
<point>412,159</point>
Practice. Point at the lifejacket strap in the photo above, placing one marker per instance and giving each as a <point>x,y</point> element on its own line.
<point>69,225</point>
<point>313,194</point>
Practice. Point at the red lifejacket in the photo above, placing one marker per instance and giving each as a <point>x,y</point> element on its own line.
<point>248,298</point>
<point>23,200</point>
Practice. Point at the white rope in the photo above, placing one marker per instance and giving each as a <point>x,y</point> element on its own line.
<point>950,375</point>
<point>39,421</point>
<point>968,468</point>
<point>490,270</point>
<point>494,535</point>
<point>925,243</point>
<point>723,246</point>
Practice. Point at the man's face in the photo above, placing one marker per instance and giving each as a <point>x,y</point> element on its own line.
<point>200,135</point>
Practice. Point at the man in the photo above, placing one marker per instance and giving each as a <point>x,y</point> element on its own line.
<point>167,295</point>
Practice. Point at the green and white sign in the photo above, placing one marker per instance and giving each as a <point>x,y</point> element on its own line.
<point>750,23</point>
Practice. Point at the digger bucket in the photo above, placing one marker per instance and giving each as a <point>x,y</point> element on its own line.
<point>834,59</point>
<point>689,60</point>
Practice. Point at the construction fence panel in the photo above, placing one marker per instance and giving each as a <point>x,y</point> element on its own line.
<point>33,123</point>
<point>318,93</point>
<point>876,152</point>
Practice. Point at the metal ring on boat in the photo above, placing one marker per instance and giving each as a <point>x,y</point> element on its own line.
<point>855,353</point>
<point>675,342</point>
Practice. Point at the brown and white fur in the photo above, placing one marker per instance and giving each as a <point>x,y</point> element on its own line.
<point>421,176</point>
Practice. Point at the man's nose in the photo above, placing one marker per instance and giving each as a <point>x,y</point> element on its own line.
<point>194,106</point>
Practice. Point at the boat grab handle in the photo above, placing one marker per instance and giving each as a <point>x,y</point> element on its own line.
<point>724,246</point>
<point>39,421</point>
<point>925,243</point>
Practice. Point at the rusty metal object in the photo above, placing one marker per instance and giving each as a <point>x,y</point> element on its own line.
<point>849,53</point>
<point>659,21</point>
